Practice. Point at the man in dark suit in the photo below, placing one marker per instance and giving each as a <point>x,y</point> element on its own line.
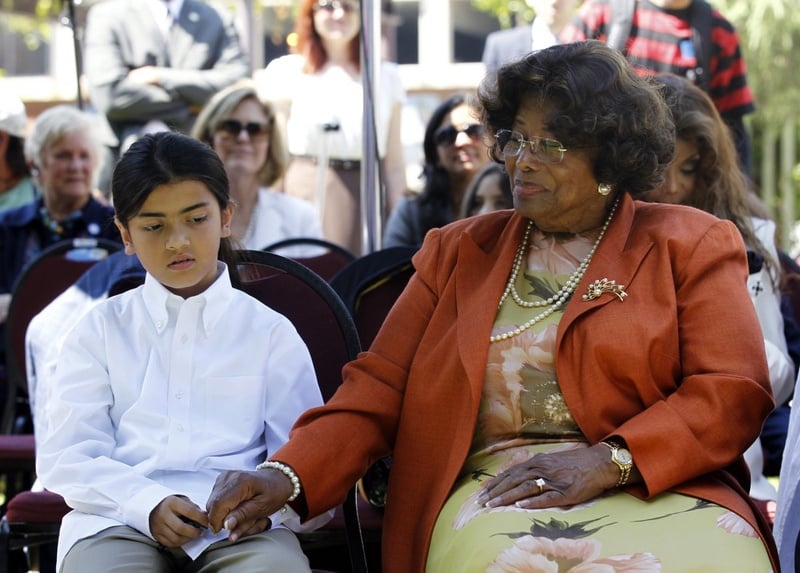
<point>158,61</point>
<point>507,45</point>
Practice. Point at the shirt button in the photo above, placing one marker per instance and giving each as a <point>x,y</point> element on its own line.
<point>179,395</point>
<point>179,427</point>
<point>159,324</point>
<point>184,338</point>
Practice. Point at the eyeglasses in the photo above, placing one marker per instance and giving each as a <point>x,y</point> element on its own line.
<point>234,127</point>
<point>333,5</point>
<point>546,150</point>
<point>447,135</point>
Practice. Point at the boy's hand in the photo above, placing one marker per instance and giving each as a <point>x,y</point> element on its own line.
<point>176,520</point>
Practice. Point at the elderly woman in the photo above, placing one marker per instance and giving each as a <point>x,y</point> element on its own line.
<point>556,382</point>
<point>242,129</point>
<point>63,150</point>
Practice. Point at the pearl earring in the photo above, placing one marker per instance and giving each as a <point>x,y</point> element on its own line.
<point>604,189</point>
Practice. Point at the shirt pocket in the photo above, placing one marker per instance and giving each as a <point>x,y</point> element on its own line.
<point>233,411</point>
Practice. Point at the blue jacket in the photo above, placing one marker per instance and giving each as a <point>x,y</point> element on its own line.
<point>19,225</point>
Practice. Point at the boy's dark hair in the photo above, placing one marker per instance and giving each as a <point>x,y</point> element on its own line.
<point>169,157</point>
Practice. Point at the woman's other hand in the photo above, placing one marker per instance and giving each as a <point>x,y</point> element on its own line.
<point>177,520</point>
<point>561,478</point>
<point>242,501</point>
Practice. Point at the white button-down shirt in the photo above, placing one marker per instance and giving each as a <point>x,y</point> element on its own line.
<point>155,395</point>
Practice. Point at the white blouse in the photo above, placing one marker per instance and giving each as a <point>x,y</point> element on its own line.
<point>329,96</point>
<point>156,395</point>
<point>278,216</point>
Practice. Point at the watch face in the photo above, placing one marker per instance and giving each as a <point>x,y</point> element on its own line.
<point>624,456</point>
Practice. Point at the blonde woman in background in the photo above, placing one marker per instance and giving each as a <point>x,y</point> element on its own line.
<point>243,130</point>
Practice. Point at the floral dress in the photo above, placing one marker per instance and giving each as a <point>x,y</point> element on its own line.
<point>522,413</point>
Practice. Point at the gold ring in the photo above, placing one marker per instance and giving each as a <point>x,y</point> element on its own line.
<point>541,483</point>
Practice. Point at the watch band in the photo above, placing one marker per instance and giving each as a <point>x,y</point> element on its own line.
<point>623,462</point>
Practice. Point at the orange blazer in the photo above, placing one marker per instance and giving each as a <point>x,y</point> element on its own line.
<point>677,369</point>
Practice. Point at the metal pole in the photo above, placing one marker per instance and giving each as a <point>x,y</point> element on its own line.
<point>70,21</point>
<point>371,188</point>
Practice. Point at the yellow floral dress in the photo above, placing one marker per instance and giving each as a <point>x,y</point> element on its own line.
<point>522,413</point>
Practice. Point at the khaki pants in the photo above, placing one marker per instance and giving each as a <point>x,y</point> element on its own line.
<point>124,549</point>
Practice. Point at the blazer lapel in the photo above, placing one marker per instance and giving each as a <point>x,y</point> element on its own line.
<point>481,277</point>
<point>614,260</point>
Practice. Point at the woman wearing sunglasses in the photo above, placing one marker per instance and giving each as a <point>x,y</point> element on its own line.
<point>319,90</point>
<point>454,153</point>
<point>242,129</point>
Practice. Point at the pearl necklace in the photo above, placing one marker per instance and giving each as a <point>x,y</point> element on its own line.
<point>558,299</point>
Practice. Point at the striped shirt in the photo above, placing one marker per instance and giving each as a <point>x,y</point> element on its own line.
<point>661,41</point>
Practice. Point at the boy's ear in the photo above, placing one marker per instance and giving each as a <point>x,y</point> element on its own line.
<point>227,217</point>
<point>126,237</point>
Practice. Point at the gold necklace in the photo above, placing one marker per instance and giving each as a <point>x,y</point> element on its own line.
<point>558,299</point>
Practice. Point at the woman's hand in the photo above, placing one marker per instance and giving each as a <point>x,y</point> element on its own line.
<point>561,478</point>
<point>242,502</point>
<point>176,520</point>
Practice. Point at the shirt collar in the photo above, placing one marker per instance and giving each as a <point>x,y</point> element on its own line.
<point>160,7</point>
<point>214,300</point>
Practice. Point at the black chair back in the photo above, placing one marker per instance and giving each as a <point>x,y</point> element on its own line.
<point>321,256</point>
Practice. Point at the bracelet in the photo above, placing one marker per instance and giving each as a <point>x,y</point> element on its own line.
<point>288,472</point>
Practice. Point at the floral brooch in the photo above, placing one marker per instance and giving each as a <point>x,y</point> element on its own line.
<point>598,287</point>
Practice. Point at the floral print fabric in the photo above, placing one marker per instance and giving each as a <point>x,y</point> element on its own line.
<point>522,413</point>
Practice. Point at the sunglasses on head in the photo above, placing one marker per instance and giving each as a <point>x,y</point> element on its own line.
<point>234,127</point>
<point>333,5</point>
<point>447,135</point>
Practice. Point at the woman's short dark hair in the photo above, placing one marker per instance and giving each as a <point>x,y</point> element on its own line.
<point>594,99</point>
<point>165,158</point>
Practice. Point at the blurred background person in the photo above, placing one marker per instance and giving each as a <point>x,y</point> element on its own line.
<point>454,153</point>
<point>62,149</point>
<point>661,39</point>
<point>489,191</point>
<point>243,131</point>
<point>319,90</point>
<point>705,175</point>
<point>152,64</point>
<point>504,46</point>
<point>16,185</point>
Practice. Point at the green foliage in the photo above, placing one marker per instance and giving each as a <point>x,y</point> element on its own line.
<point>508,12</point>
<point>770,34</point>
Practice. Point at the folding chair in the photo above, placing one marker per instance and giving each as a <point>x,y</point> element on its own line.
<point>370,285</point>
<point>41,281</point>
<point>324,324</point>
<point>321,256</point>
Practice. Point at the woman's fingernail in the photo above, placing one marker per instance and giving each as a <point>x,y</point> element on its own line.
<point>229,524</point>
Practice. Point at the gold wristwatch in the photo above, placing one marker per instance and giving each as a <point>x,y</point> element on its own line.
<point>623,460</point>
